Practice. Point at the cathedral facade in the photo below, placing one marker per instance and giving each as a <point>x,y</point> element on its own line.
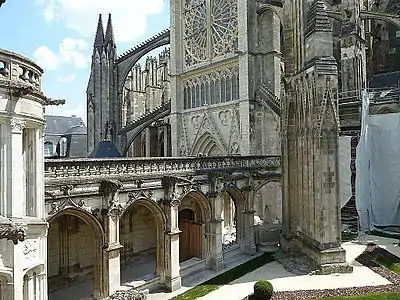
<point>249,102</point>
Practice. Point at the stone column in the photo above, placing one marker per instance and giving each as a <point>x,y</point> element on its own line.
<point>248,244</point>
<point>40,205</point>
<point>148,142</point>
<point>111,254</point>
<point>171,204</point>
<point>216,259</point>
<point>16,208</point>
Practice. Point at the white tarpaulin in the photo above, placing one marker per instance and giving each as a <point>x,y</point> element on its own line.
<point>378,170</point>
<point>344,170</point>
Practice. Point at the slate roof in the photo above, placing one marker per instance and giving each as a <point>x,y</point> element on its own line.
<point>60,125</point>
<point>105,149</point>
<point>387,79</point>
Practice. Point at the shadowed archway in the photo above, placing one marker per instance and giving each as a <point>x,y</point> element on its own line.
<point>142,227</point>
<point>75,255</point>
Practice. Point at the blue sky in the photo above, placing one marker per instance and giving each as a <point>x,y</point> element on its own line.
<point>58,35</point>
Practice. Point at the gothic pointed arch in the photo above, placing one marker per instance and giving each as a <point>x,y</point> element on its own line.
<point>160,223</point>
<point>207,145</point>
<point>201,200</point>
<point>100,288</point>
<point>193,220</point>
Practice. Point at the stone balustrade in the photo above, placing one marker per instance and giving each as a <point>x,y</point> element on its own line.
<point>78,169</point>
<point>16,69</point>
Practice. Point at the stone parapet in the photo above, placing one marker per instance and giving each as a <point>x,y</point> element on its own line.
<point>78,169</point>
<point>23,77</point>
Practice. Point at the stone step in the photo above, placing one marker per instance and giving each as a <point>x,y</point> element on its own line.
<point>269,248</point>
<point>233,255</point>
<point>192,266</point>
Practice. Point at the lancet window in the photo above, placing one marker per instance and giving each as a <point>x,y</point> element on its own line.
<point>214,88</point>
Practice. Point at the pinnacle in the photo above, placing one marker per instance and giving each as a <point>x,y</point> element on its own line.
<point>109,31</point>
<point>99,39</point>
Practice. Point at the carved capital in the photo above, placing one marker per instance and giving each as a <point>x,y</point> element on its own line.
<point>116,209</point>
<point>17,125</point>
<point>173,202</point>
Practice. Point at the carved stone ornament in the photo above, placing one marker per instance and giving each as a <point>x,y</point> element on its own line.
<point>116,209</point>
<point>10,231</point>
<point>108,187</point>
<point>20,89</point>
<point>60,205</point>
<point>66,189</point>
<point>17,125</point>
<point>147,194</point>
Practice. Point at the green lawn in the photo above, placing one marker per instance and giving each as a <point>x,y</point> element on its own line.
<point>225,278</point>
<point>378,296</point>
<point>388,263</point>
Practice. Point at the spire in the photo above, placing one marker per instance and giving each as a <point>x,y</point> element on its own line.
<point>109,31</point>
<point>99,40</point>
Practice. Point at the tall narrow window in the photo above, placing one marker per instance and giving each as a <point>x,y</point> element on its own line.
<point>29,157</point>
<point>197,96</point>
<point>223,90</point>
<point>63,147</point>
<point>48,149</point>
<point>203,94</point>
<point>217,91</point>
<point>228,89</point>
<point>212,92</point>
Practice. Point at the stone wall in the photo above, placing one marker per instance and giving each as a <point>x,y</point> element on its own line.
<point>138,234</point>
<point>70,248</point>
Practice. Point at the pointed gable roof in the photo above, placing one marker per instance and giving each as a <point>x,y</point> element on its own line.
<point>105,149</point>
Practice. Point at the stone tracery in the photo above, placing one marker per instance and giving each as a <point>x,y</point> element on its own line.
<point>210,29</point>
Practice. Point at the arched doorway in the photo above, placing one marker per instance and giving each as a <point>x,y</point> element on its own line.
<point>268,202</point>
<point>229,216</point>
<point>6,286</point>
<point>141,233</point>
<point>193,213</point>
<point>33,283</point>
<point>74,256</point>
<point>233,232</point>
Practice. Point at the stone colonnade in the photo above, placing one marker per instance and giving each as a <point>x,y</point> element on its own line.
<point>106,229</point>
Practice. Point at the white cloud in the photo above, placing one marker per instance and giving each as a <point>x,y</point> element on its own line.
<point>129,16</point>
<point>67,78</point>
<point>67,110</point>
<point>46,58</point>
<point>73,51</point>
<point>70,51</point>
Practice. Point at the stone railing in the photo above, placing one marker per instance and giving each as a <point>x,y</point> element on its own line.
<point>63,169</point>
<point>22,77</point>
<point>19,71</point>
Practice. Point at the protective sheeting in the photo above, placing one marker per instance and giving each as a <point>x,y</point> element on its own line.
<point>378,170</point>
<point>344,170</point>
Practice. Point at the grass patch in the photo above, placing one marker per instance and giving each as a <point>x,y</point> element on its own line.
<point>377,296</point>
<point>388,263</point>
<point>225,278</point>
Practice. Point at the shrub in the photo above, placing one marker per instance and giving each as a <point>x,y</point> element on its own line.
<point>263,290</point>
